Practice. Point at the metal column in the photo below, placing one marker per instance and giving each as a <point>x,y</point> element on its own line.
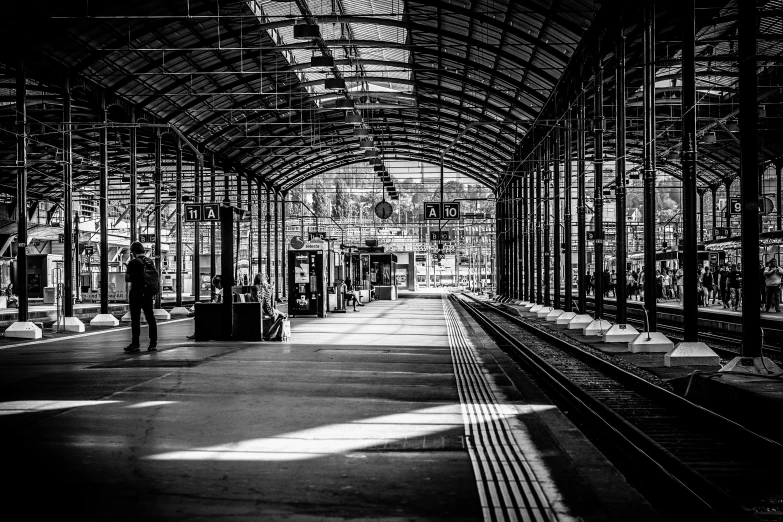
<point>283,246</point>
<point>158,183</point>
<point>749,161</point>
<point>67,203</point>
<point>532,230</point>
<point>212,231</point>
<point>547,251</point>
<point>525,239</point>
<point>539,226</point>
<point>268,233</point>
<point>178,248</point>
<point>581,247</point>
<point>690,263</point>
<point>715,209</point>
<point>260,223</point>
<point>567,228</point>
<point>620,139</point>
<point>556,229</point>
<point>277,250</point>
<point>195,278</point>
<point>650,296</point>
<point>598,188</point>
<point>520,240</point>
<point>134,209</point>
<point>103,206</point>
<point>779,203</point>
<point>21,194</point>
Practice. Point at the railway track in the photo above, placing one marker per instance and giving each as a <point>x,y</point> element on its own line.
<point>691,463</point>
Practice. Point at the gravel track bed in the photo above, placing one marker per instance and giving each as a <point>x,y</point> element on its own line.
<point>742,474</point>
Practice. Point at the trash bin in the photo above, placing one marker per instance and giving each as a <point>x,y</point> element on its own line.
<point>209,322</point>
<point>248,322</point>
<point>50,294</point>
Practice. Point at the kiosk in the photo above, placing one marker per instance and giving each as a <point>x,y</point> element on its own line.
<point>311,275</point>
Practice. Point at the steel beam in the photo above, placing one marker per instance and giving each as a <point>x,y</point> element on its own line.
<point>103,206</point>
<point>650,295</point>
<point>749,161</point>
<point>539,226</point>
<point>567,229</point>
<point>134,217</point>
<point>68,247</point>
<point>178,248</point>
<point>21,194</point>
<point>556,229</point>
<point>620,167</point>
<point>158,182</point>
<point>547,251</point>
<point>598,188</point>
<point>690,262</point>
<point>581,208</point>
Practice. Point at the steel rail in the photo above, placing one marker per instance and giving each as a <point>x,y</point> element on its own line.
<point>704,494</point>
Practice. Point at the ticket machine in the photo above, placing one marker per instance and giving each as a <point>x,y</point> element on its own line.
<point>308,270</point>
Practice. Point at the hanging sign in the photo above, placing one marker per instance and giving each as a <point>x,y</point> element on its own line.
<point>193,213</point>
<point>210,212</point>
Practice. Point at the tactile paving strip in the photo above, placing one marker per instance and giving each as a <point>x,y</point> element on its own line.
<point>507,485</point>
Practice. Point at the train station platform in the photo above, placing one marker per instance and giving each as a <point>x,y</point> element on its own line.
<point>403,410</point>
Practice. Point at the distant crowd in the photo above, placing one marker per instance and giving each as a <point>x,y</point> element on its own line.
<point>722,285</point>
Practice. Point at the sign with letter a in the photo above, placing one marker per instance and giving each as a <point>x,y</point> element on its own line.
<point>211,212</point>
<point>431,210</point>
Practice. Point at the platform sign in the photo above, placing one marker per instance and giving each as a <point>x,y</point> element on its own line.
<point>735,206</point>
<point>442,235</point>
<point>451,210</point>
<point>147,238</point>
<point>193,213</point>
<point>89,251</point>
<point>432,211</point>
<point>210,212</point>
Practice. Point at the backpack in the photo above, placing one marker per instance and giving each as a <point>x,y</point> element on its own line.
<point>151,277</point>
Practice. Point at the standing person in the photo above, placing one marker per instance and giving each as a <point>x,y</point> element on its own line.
<point>606,279</point>
<point>613,283</point>
<point>723,286</point>
<point>144,285</point>
<point>678,279</point>
<point>772,277</point>
<point>658,285</point>
<point>667,283</point>
<point>588,282</point>
<point>763,283</point>
<point>735,285</point>
<point>707,285</point>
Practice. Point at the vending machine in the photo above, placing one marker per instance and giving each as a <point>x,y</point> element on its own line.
<point>307,273</point>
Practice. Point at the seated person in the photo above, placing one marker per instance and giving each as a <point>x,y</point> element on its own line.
<point>276,316</point>
<point>11,299</point>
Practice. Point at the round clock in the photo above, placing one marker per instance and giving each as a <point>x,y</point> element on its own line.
<point>383,210</point>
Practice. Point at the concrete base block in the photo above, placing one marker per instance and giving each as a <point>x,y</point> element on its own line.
<point>161,314</point>
<point>578,322</point>
<point>544,311</point>
<point>70,324</point>
<point>104,320</point>
<point>565,317</point>
<point>621,333</point>
<point>553,315</point>
<point>657,342</point>
<point>528,306</point>
<point>535,308</point>
<point>749,365</point>
<point>524,303</point>
<point>23,330</point>
<point>126,318</point>
<point>597,328</point>
<point>179,311</point>
<point>691,354</point>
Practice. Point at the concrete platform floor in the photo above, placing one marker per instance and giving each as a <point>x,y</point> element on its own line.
<point>402,411</point>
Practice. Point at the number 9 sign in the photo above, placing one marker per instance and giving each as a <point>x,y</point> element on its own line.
<point>735,206</point>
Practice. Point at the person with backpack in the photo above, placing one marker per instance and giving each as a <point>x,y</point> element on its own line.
<point>144,285</point>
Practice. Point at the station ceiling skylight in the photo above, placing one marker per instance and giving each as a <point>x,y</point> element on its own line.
<point>372,58</point>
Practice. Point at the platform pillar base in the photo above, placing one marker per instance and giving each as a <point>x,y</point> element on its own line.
<point>544,311</point>
<point>179,311</point>
<point>650,342</point>
<point>535,308</point>
<point>127,318</point>
<point>104,320</point>
<point>23,330</point>
<point>748,365</point>
<point>578,322</point>
<point>565,318</point>
<point>597,328</point>
<point>691,354</point>
<point>161,314</point>
<point>70,324</point>
<point>553,315</point>
<point>621,333</point>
